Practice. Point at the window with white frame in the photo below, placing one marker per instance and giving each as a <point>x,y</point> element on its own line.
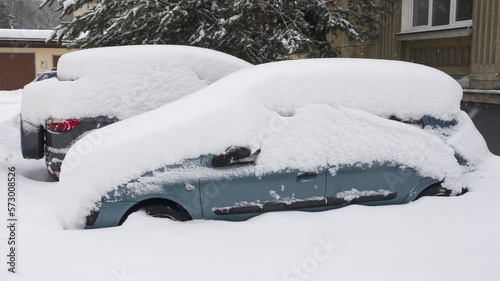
<point>422,15</point>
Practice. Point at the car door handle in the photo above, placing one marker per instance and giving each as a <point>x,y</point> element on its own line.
<point>306,176</point>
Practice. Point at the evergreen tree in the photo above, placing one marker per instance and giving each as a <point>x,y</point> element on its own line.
<point>5,17</point>
<point>255,30</point>
<point>25,14</point>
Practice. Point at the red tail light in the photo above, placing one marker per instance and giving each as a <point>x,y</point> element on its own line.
<point>61,125</point>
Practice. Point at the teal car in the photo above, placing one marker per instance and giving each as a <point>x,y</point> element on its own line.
<point>305,135</point>
<point>233,190</point>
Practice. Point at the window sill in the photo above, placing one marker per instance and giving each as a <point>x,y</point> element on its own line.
<point>435,34</point>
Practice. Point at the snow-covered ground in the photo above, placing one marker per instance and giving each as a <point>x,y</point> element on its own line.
<point>442,239</point>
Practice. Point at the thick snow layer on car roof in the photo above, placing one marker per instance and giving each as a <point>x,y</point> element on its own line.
<point>382,87</point>
<point>302,115</point>
<point>124,81</point>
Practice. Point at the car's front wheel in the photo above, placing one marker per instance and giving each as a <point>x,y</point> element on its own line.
<point>161,209</point>
<point>165,211</point>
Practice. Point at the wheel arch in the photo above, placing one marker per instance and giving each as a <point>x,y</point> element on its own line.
<point>154,201</point>
<point>422,185</point>
<point>438,190</point>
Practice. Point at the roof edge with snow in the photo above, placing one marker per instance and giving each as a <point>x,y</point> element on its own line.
<point>23,35</point>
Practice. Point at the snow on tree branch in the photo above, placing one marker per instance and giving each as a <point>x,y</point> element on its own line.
<point>255,30</point>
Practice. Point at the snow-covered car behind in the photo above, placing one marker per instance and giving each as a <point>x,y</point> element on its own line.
<point>306,134</point>
<point>46,75</point>
<point>97,87</point>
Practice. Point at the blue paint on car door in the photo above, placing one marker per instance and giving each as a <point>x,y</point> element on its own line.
<point>374,184</point>
<point>239,193</point>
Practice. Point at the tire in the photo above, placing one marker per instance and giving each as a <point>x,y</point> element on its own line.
<point>164,211</point>
<point>434,190</point>
<point>32,140</point>
<point>161,210</point>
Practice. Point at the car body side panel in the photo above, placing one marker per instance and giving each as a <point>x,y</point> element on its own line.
<point>119,202</point>
<point>186,194</point>
<point>243,194</point>
<point>248,195</point>
<point>422,184</point>
<point>376,184</point>
<point>110,214</point>
<point>438,123</point>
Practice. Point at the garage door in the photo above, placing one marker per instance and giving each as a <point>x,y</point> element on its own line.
<point>55,60</point>
<point>16,70</point>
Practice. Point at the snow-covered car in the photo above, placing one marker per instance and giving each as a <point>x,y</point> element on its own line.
<point>46,75</point>
<point>97,87</point>
<point>297,135</point>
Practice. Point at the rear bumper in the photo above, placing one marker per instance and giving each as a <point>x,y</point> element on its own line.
<point>58,143</point>
<point>54,162</point>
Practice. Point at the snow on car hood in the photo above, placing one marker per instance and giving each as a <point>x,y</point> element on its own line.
<point>302,114</point>
<point>124,81</point>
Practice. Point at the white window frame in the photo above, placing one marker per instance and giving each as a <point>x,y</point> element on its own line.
<point>407,18</point>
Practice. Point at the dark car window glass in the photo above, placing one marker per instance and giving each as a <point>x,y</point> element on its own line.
<point>418,122</point>
<point>235,156</point>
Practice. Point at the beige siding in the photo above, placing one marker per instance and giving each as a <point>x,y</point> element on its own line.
<point>41,54</point>
<point>83,9</point>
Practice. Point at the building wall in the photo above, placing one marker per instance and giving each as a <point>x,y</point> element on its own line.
<point>451,55</point>
<point>390,24</point>
<point>43,60</point>
<point>485,45</point>
<point>349,49</point>
<point>84,9</point>
<point>486,118</point>
<point>41,55</point>
<point>352,49</point>
<point>471,55</point>
<point>384,47</point>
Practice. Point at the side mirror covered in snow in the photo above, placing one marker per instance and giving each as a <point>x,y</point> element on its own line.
<point>235,156</point>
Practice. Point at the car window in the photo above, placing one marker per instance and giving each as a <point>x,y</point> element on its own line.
<point>418,122</point>
<point>235,156</point>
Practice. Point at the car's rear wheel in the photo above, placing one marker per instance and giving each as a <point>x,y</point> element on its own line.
<point>434,190</point>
